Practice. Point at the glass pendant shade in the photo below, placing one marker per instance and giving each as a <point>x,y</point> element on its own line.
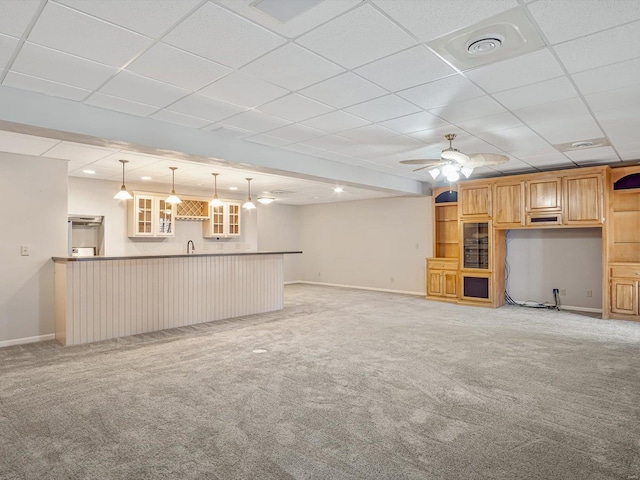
<point>173,198</point>
<point>434,172</point>
<point>466,171</point>
<point>248,205</point>
<point>265,200</point>
<point>123,194</point>
<point>215,201</point>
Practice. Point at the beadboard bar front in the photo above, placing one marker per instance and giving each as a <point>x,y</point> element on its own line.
<point>110,298</point>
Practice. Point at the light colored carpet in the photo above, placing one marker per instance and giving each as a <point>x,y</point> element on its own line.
<point>354,384</point>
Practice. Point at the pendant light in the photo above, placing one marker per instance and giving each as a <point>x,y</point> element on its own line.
<point>215,202</point>
<point>248,205</point>
<point>123,194</point>
<point>173,198</point>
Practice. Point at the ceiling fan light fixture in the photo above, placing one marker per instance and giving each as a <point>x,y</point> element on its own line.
<point>449,170</point>
<point>453,177</point>
<point>466,171</point>
<point>434,172</point>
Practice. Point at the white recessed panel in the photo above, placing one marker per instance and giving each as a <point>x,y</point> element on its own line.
<point>623,74</point>
<point>357,37</point>
<point>255,121</point>
<point>344,90</point>
<point>7,46</point>
<point>336,121</point>
<point>501,121</point>
<point>296,133</point>
<point>268,140</point>
<point>222,36</point>
<point>292,67</point>
<point>120,105</point>
<point>383,108</point>
<point>604,48</point>
<point>522,70</point>
<point>35,84</point>
<point>627,98</point>
<point>295,108</point>
<point>176,67</point>
<point>537,94</point>
<point>451,89</point>
<point>67,30</point>
<point>468,109</point>
<point>205,107</point>
<point>405,69</point>
<point>25,144</point>
<point>142,90</point>
<point>148,17</point>
<point>243,90</point>
<point>180,119</point>
<point>428,19</point>
<point>78,152</point>
<point>60,67</point>
<point>16,16</point>
<point>567,19</point>
<point>414,122</point>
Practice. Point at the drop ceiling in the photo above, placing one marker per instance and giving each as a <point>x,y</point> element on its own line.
<point>341,91</point>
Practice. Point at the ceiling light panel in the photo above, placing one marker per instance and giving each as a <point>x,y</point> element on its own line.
<point>623,74</point>
<point>344,90</point>
<point>383,108</point>
<point>142,90</point>
<point>428,19</point>
<point>292,67</point>
<point>205,107</point>
<point>148,17</point>
<point>451,89</point>
<point>245,90</point>
<point>35,84</point>
<point>405,69</point>
<point>120,105</point>
<point>357,37</point>
<point>295,108</point>
<point>73,32</point>
<point>540,93</point>
<point>222,36</point>
<point>336,121</point>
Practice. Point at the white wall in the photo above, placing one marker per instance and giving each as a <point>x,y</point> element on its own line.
<point>379,243</point>
<point>34,214</point>
<point>278,228</point>
<point>543,259</point>
<point>95,197</point>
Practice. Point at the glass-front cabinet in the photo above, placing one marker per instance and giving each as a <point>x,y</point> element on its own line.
<point>150,216</point>
<point>223,221</point>
<point>475,276</point>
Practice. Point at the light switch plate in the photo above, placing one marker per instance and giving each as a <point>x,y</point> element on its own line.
<point>24,250</point>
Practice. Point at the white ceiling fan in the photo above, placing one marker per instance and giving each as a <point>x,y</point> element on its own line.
<point>452,162</point>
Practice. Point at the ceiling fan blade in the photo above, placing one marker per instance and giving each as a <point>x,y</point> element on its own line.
<point>486,160</point>
<point>422,168</point>
<point>454,156</point>
<point>421,161</point>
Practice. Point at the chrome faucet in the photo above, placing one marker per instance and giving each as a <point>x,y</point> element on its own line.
<point>193,247</point>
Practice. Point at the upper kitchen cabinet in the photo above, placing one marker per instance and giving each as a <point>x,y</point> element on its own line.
<point>543,201</point>
<point>223,221</point>
<point>474,200</point>
<point>583,199</point>
<point>150,216</point>
<point>508,201</point>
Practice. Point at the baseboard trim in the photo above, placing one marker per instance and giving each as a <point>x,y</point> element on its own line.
<point>581,309</point>
<point>24,340</point>
<point>386,290</point>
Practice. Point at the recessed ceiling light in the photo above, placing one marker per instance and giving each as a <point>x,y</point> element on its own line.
<point>484,44</point>
<point>338,190</point>
<point>582,144</point>
<point>89,172</point>
<point>233,188</point>
<point>145,178</point>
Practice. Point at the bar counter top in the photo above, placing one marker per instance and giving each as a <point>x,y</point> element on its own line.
<point>178,255</point>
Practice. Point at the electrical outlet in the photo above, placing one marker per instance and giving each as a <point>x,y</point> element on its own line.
<point>24,250</point>
<point>589,293</point>
<point>563,291</point>
<point>556,291</point>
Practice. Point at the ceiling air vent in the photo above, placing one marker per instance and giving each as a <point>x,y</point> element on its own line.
<point>582,144</point>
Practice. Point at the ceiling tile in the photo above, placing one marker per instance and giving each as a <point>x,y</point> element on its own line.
<point>593,154</point>
<point>599,49</point>
<point>411,67</point>
<point>335,156</point>
<point>7,46</point>
<point>148,17</point>
<point>522,70</point>
<point>623,74</point>
<point>501,121</point>
<point>136,160</point>
<point>296,133</point>
<point>180,119</point>
<point>436,135</point>
<point>120,105</point>
<point>176,67</point>
<point>627,98</point>
<point>572,107</point>
<point>559,130</point>
<point>60,67</point>
<point>35,84</point>
<point>550,159</point>
<point>142,90</point>
<point>318,14</point>
<point>383,108</point>
<point>343,90</point>
<point>79,152</point>
<point>513,165</point>
<point>255,121</point>
<point>414,122</point>
<point>468,109</point>
<point>428,19</point>
<point>73,32</point>
<point>330,142</point>
<point>336,121</point>
<point>292,67</point>
<point>451,89</point>
<point>228,131</point>
<point>360,150</point>
<point>372,134</point>
<point>295,108</point>
<point>25,144</point>
<point>357,37</point>
<point>548,91</point>
<point>243,90</point>
<point>268,140</point>
<point>302,148</point>
<point>587,16</point>
<point>222,36</point>
<point>206,108</point>
<point>16,16</point>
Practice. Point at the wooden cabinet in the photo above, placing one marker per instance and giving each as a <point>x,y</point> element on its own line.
<point>150,216</point>
<point>476,287</point>
<point>474,200</point>
<point>624,296</point>
<point>508,204</point>
<point>583,200</point>
<point>445,215</point>
<point>543,201</point>
<point>442,278</point>
<point>223,221</point>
